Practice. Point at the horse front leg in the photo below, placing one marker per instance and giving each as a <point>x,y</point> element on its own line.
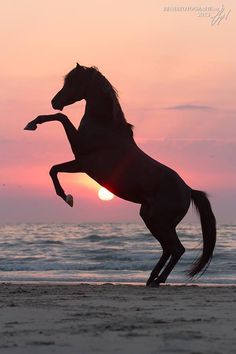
<point>69,167</point>
<point>32,125</point>
<point>70,130</point>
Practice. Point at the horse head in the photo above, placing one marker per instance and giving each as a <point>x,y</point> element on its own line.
<point>74,88</point>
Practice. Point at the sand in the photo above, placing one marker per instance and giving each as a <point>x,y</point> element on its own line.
<point>83,319</point>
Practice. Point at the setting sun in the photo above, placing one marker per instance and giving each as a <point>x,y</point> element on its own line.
<point>104,194</point>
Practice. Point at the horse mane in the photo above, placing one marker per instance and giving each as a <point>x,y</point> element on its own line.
<point>112,93</point>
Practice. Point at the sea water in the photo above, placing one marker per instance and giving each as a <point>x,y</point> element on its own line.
<point>120,253</point>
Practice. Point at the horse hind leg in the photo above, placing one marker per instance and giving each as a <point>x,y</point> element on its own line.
<point>145,213</point>
<point>172,251</point>
<point>172,247</point>
<point>158,267</point>
<point>175,249</point>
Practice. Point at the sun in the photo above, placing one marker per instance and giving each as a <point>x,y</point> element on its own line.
<point>104,194</point>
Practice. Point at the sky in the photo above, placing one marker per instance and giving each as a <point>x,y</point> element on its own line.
<point>175,73</point>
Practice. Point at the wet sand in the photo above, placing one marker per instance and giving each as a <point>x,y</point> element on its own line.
<point>84,319</point>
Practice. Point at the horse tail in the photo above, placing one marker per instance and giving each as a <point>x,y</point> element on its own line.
<point>208,223</point>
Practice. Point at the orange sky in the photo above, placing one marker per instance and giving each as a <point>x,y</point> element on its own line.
<point>175,74</point>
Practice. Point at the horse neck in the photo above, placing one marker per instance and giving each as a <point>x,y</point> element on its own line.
<point>103,108</point>
<point>96,107</point>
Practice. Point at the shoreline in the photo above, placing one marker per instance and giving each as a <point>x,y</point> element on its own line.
<point>124,319</point>
<point>99,283</point>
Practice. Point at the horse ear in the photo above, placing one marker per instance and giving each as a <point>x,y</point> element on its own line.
<point>77,65</point>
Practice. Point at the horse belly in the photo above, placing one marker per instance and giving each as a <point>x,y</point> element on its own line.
<point>130,179</point>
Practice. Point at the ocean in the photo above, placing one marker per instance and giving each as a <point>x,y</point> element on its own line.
<point>94,252</point>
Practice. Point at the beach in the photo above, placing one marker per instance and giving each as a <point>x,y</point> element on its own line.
<point>107,318</point>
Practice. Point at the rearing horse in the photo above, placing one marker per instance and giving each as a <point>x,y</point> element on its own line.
<point>104,148</point>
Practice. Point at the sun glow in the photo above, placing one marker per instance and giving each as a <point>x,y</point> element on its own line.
<point>104,194</point>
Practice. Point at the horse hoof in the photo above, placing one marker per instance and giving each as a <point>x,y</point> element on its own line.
<point>30,126</point>
<point>69,200</point>
<point>154,284</point>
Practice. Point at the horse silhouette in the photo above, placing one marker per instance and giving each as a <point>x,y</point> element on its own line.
<point>104,148</point>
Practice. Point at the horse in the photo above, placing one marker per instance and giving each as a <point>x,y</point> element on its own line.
<point>104,148</point>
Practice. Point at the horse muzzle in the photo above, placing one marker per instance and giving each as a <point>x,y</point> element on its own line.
<point>57,105</point>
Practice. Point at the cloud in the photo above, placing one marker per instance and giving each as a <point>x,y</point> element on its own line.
<point>189,106</point>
